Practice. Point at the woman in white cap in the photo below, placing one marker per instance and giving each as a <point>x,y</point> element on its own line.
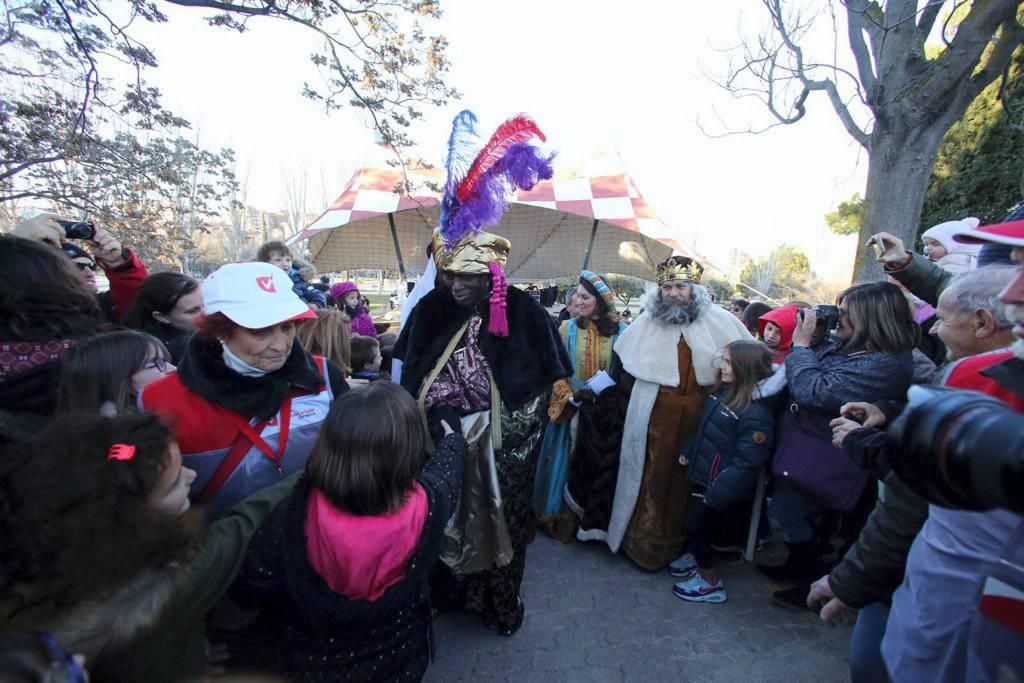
<point>247,401</point>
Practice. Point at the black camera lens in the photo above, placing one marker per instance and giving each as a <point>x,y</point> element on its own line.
<point>78,230</point>
<point>960,449</point>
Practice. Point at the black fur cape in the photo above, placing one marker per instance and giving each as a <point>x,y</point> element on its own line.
<point>525,363</point>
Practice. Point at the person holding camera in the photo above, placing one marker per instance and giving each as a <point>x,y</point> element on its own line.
<point>952,617</point>
<point>44,310</point>
<point>924,278</point>
<point>870,354</point>
<point>973,324</point>
<point>123,269</point>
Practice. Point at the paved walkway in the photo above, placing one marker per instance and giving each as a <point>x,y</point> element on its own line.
<point>592,616</point>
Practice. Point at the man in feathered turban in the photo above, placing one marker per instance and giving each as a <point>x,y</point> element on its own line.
<point>491,353</point>
<point>668,354</point>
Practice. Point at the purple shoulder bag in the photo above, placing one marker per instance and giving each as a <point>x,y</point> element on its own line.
<point>808,462</point>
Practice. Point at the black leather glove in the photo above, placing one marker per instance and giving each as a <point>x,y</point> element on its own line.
<point>584,396</point>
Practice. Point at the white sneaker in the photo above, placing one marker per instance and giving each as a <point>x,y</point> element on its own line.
<point>683,566</point>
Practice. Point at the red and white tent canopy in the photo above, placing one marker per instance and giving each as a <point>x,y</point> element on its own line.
<point>591,214</point>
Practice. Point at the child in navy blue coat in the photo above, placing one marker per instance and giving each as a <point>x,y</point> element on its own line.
<point>730,448</point>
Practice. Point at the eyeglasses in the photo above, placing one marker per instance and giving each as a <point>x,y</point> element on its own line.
<point>157,362</point>
<point>86,266</point>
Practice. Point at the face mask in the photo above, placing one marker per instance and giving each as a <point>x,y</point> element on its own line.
<point>238,365</point>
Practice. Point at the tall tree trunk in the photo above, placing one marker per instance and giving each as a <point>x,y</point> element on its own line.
<point>899,167</point>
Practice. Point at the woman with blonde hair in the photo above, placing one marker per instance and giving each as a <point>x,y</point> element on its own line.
<point>329,336</point>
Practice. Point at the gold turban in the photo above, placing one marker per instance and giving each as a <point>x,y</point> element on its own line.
<point>681,268</point>
<point>471,254</point>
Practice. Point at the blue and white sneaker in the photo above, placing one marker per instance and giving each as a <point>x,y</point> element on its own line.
<point>696,589</point>
<point>684,566</point>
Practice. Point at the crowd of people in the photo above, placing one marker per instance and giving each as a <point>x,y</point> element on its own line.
<point>247,460</point>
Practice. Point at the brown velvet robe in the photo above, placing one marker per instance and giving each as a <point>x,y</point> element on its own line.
<point>655,535</point>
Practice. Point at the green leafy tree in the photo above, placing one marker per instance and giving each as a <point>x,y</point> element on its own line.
<point>783,274</point>
<point>720,289</point>
<point>626,288</point>
<point>848,218</point>
<point>979,165</point>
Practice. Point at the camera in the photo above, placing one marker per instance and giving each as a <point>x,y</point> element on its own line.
<point>960,449</point>
<point>77,230</point>
<point>827,316</point>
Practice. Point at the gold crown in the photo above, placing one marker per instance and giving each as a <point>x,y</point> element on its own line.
<point>679,268</point>
<point>471,254</point>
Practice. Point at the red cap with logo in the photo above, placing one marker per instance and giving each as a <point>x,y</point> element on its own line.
<point>253,295</point>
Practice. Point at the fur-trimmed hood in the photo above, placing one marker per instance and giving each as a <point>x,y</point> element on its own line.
<point>90,627</point>
<point>772,385</point>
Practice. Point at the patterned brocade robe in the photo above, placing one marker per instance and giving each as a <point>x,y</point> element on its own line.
<point>498,384</point>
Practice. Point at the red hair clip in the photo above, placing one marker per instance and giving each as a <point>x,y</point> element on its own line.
<point>121,451</point>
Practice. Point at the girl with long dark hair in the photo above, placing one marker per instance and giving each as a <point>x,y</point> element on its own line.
<point>725,456</point>
<point>101,550</point>
<point>576,477</point>
<point>105,374</point>
<point>169,307</point>
<point>44,309</point>
<point>346,558</point>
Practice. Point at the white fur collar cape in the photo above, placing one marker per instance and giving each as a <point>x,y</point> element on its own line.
<point>648,352</point>
<point>648,346</point>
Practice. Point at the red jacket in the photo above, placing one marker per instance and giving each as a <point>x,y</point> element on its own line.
<point>206,433</point>
<point>125,281</point>
<point>982,373</point>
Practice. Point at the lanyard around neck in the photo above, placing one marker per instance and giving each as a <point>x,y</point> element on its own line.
<point>253,433</point>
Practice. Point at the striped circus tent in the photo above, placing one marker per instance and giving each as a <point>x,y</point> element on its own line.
<point>592,216</point>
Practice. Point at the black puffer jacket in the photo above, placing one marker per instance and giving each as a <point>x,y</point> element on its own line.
<point>728,450</point>
<point>326,635</point>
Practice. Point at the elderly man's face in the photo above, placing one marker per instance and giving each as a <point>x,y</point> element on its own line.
<point>1013,296</point>
<point>677,289</point>
<point>955,330</point>
<point>467,290</point>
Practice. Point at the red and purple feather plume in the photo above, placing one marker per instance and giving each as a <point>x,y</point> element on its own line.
<point>518,129</point>
<point>506,163</point>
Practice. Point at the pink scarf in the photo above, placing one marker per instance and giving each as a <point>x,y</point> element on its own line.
<point>361,557</point>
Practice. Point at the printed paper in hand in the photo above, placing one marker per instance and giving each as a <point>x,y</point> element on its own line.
<point>600,381</point>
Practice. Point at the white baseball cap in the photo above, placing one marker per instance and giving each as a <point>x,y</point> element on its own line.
<point>253,295</point>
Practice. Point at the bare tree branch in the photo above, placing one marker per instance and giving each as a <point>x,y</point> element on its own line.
<point>856,11</point>
<point>929,14</point>
<point>956,66</point>
<point>945,24</point>
<point>809,84</point>
<point>262,10</point>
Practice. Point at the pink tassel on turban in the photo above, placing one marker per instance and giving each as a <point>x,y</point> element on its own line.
<point>498,325</point>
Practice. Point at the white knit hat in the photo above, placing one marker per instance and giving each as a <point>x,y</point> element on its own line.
<point>943,234</point>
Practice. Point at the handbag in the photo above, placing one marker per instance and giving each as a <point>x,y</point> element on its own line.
<point>808,462</point>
